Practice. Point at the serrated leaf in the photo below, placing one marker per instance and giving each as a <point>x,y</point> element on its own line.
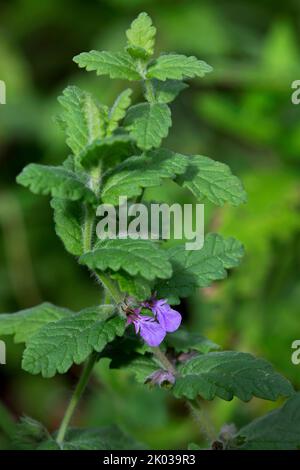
<point>198,268</point>
<point>55,180</point>
<point>141,35</point>
<point>185,341</point>
<point>148,124</point>
<point>136,257</point>
<point>115,64</point>
<point>277,430</point>
<point>130,177</point>
<point>135,287</point>
<point>118,110</point>
<point>71,340</point>
<point>207,178</point>
<point>107,151</point>
<point>177,67</point>
<point>68,216</point>
<point>228,374</point>
<point>167,91</point>
<point>26,323</point>
<point>104,438</point>
<point>84,119</point>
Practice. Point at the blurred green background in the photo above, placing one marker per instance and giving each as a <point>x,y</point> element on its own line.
<point>240,114</point>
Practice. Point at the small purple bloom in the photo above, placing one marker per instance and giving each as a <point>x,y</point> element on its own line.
<point>160,377</point>
<point>167,317</point>
<point>149,329</point>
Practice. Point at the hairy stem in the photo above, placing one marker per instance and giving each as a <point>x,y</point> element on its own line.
<point>162,358</point>
<point>194,406</point>
<point>87,231</point>
<point>202,419</point>
<point>80,387</point>
<point>110,286</point>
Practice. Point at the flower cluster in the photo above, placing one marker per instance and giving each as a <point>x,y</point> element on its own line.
<point>153,329</point>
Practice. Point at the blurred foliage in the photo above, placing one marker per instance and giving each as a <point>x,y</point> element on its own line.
<point>241,114</point>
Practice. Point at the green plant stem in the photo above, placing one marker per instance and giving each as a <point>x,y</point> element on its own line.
<point>162,358</point>
<point>194,406</point>
<point>110,286</point>
<point>149,91</point>
<point>87,232</point>
<point>80,387</point>
<point>202,419</point>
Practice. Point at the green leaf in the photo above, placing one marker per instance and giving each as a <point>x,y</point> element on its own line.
<point>104,438</point>
<point>177,67</point>
<point>278,430</point>
<point>55,180</point>
<point>68,216</point>
<point>30,434</point>
<point>136,173</point>
<point>57,346</point>
<point>115,64</point>
<point>185,341</point>
<point>207,178</point>
<point>84,119</point>
<point>228,374</point>
<point>133,256</point>
<point>141,36</point>
<point>118,110</point>
<point>140,367</point>
<point>107,151</point>
<point>198,268</point>
<point>148,124</point>
<point>135,287</point>
<point>26,323</point>
<point>167,91</point>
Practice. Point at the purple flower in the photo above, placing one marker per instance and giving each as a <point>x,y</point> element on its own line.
<point>168,318</point>
<point>161,377</point>
<point>149,329</point>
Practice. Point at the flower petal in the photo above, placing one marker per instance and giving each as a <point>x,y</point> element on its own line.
<point>168,318</point>
<point>152,332</point>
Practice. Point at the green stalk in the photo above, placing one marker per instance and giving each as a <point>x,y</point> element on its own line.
<point>194,406</point>
<point>162,358</point>
<point>110,286</point>
<point>80,387</point>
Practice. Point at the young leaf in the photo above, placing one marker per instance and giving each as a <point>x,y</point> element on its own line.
<point>141,36</point>
<point>185,341</point>
<point>68,216</point>
<point>130,177</point>
<point>177,67</point>
<point>228,374</point>
<point>84,119</point>
<point>118,110</point>
<point>57,346</point>
<point>136,286</point>
<point>105,438</point>
<point>107,151</point>
<point>133,256</point>
<point>55,180</point>
<point>277,430</point>
<point>30,434</point>
<point>207,178</point>
<point>198,268</point>
<point>148,123</point>
<point>167,91</point>
<point>26,323</point>
<point>115,64</point>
